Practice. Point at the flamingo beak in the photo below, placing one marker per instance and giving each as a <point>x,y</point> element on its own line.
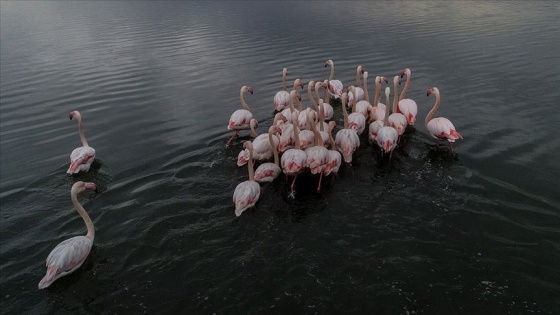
<point>386,81</point>
<point>428,92</point>
<point>71,115</point>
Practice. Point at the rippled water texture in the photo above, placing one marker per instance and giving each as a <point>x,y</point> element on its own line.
<point>156,82</point>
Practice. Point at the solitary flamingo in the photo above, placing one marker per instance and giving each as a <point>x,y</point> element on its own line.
<point>335,86</point>
<point>82,157</point>
<point>267,172</point>
<point>246,193</point>
<point>440,127</point>
<point>346,140</point>
<point>407,106</point>
<point>69,255</point>
<point>241,118</point>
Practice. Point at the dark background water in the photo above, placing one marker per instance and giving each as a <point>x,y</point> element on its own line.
<point>156,83</point>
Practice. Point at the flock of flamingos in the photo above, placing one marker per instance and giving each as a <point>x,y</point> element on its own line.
<point>302,136</point>
<point>305,138</point>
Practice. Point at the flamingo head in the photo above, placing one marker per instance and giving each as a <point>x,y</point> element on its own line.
<point>74,114</point>
<point>329,63</point>
<point>246,88</point>
<point>80,186</point>
<point>254,123</point>
<point>360,69</point>
<point>405,72</point>
<point>397,79</point>
<point>433,90</point>
<point>365,75</point>
<point>311,85</point>
<point>384,79</point>
<point>285,71</point>
<point>299,83</point>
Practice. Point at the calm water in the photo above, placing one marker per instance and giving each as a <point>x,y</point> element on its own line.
<point>156,83</point>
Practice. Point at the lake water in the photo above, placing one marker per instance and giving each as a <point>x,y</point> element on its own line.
<point>156,82</point>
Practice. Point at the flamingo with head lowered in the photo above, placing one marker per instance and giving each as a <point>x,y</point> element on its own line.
<point>440,127</point>
<point>241,118</point>
<point>246,193</point>
<point>69,255</point>
<point>82,157</point>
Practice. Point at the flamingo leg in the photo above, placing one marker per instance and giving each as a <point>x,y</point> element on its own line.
<point>319,185</point>
<point>232,137</point>
<point>293,183</point>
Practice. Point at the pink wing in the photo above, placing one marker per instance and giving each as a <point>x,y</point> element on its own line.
<point>387,138</point>
<point>65,258</point>
<point>335,88</point>
<point>281,100</point>
<point>442,128</point>
<point>81,159</point>
<point>240,119</point>
<point>267,172</point>
<point>409,109</point>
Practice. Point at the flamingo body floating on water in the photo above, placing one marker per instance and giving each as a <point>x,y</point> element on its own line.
<point>346,140</point>
<point>241,118</point>
<point>82,157</point>
<point>396,120</point>
<point>70,254</point>
<point>293,160</point>
<point>358,92</point>
<point>440,127</point>
<point>335,87</point>
<point>267,172</point>
<point>407,106</point>
<point>246,193</point>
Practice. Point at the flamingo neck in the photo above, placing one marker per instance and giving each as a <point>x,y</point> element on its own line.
<point>331,76</point>
<point>405,89</point>
<point>358,79</point>
<point>296,134</point>
<point>81,131</point>
<point>333,145</point>
<point>366,93</point>
<point>311,98</point>
<point>395,98</point>
<point>274,148</point>
<point>318,139</point>
<point>326,95</point>
<point>434,109</point>
<point>321,116</point>
<point>87,220</point>
<point>299,105</point>
<point>250,166</point>
<point>345,113</point>
<point>377,94</point>
<point>317,93</point>
<point>283,80</point>
<point>253,133</point>
<point>242,99</point>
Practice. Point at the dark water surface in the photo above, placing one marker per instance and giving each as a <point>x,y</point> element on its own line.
<point>156,82</point>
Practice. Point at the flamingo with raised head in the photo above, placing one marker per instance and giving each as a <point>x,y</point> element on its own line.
<point>359,91</point>
<point>246,193</point>
<point>69,255</point>
<point>286,137</point>
<point>328,111</point>
<point>282,97</point>
<point>267,172</point>
<point>407,106</point>
<point>293,160</point>
<point>334,159</point>
<point>356,119</point>
<point>316,155</point>
<point>241,118</point>
<point>440,127</point>
<point>82,157</point>
<point>335,86</point>
<point>363,106</point>
<point>396,120</point>
<point>346,140</point>
<point>378,109</point>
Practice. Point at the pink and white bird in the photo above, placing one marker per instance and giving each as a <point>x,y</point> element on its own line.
<point>346,140</point>
<point>316,155</point>
<point>82,157</point>
<point>335,86</point>
<point>387,137</point>
<point>241,118</point>
<point>358,92</point>
<point>396,120</point>
<point>282,98</point>
<point>407,106</point>
<point>334,158</point>
<point>246,193</point>
<point>262,149</point>
<point>440,127</point>
<point>378,109</point>
<point>293,160</point>
<point>267,172</point>
<point>69,255</point>
<point>328,111</point>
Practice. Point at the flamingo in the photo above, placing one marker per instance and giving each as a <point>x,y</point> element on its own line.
<point>335,86</point>
<point>241,118</point>
<point>359,92</point>
<point>396,120</point>
<point>69,255</point>
<point>82,157</point>
<point>321,125</point>
<point>363,106</point>
<point>377,111</point>
<point>440,127</point>
<point>407,106</point>
<point>246,193</point>
<point>262,149</point>
<point>346,140</point>
<point>293,160</point>
<point>282,98</point>
<point>316,155</point>
<point>328,111</point>
<point>387,136</point>
<point>286,137</point>
<point>356,120</point>
<point>267,172</point>
<point>334,159</point>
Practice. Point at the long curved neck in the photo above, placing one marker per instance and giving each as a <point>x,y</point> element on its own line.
<point>299,105</point>
<point>81,130</point>
<point>317,93</point>
<point>311,98</point>
<point>405,89</point>
<point>358,79</point>
<point>354,101</point>
<point>318,139</point>
<point>333,145</point>
<point>366,93</point>
<point>250,166</point>
<point>434,109</point>
<point>345,113</point>
<point>377,93</point>
<point>321,116</point>
<point>242,99</point>
<point>296,134</point>
<point>331,75</point>
<point>274,148</point>
<point>253,132</point>
<point>87,220</point>
<point>325,95</point>
<point>283,80</point>
<point>395,98</point>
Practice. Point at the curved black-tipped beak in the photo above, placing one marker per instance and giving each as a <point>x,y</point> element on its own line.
<point>428,92</point>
